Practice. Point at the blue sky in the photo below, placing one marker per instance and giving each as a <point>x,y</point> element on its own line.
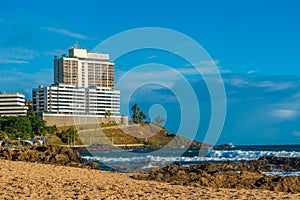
<point>256,45</point>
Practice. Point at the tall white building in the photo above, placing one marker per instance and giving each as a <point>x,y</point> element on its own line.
<point>82,68</point>
<point>83,88</point>
<point>12,104</point>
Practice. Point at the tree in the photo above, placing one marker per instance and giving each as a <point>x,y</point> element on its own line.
<point>17,126</point>
<point>51,129</point>
<point>3,134</point>
<point>24,126</point>
<point>69,135</point>
<point>108,114</point>
<point>38,125</point>
<point>141,117</point>
<point>1,122</point>
<point>135,113</point>
<point>159,120</point>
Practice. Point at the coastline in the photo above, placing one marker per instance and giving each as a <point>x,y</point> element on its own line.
<point>25,180</point>
<point>48,172</point>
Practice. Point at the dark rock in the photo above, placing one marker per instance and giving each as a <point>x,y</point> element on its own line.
<point>245,174</point>
<point>94,165</point>
<point>59,155</point>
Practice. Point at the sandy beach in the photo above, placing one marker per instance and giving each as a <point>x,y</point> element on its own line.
<point>23,180</point>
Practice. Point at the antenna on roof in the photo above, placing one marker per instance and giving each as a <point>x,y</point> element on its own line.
<point>76,45</point>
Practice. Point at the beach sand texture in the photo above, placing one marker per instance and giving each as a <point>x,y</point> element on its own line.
<point>22,180</point>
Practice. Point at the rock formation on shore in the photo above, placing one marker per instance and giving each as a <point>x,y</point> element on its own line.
<point>59,155</point>
<point>247,174</point>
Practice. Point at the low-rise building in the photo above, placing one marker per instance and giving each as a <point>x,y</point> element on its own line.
<point>68,101</point>
<point>12,104</point>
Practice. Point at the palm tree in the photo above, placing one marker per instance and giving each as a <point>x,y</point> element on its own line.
<point>108,114</point>
<point>141,117</point>
<point>135,113</point>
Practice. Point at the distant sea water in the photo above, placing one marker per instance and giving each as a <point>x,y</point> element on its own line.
<point>143,160</point>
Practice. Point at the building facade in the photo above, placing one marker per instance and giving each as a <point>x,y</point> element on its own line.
<point>83,91</point>
<point>82,68</point>
<point>12,104</point>
<point>71,100</point>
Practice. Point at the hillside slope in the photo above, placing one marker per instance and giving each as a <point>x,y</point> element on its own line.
<point>146,134</point>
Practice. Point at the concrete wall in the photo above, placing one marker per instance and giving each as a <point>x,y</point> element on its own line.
<point>69,120</point>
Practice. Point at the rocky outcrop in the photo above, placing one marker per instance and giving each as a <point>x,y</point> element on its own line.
<point>246,174</point>
<point>60,155</point>
<point>272,163</point>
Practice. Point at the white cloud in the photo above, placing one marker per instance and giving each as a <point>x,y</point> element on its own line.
<point>297,95</point>
<point>9,61</point>
<point>225,71</point>
<point>252,71</point>
<point>204,67</point>
<point>152,57</point>
<point>161,76</point>
<point>269,85</point>
<point>15,81</point>
<point>137,78</point>
<point>284,113</point>
<point>281,86</point>
<point>190,71</point>
<point>66,32</point>
<point>237,81</point>
<point>296,133</point>
<point>17,55</point>
<point>54,52</point>
<point>158,77</point>
<point>209,63</point>
<point>204,63</point>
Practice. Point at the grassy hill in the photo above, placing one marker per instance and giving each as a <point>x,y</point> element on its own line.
<point>144,134</point>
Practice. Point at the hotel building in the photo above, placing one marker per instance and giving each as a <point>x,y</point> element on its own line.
<point>84,69</point>
<point>12,104</point>
<point>83,88</point>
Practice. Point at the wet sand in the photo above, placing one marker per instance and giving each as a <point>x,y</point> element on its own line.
<point>23,180</point>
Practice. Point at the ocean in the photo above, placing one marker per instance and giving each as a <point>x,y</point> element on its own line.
<point>146,160</point>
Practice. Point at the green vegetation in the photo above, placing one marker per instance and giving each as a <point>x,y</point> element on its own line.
<point>137,115</point>
<point>15,127</point>
<point>68,136</point>
<point>24,127</point>
<point>38,125</point>
<point>144,133</point>
<point>108,114</point>
<point>108,125</point>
